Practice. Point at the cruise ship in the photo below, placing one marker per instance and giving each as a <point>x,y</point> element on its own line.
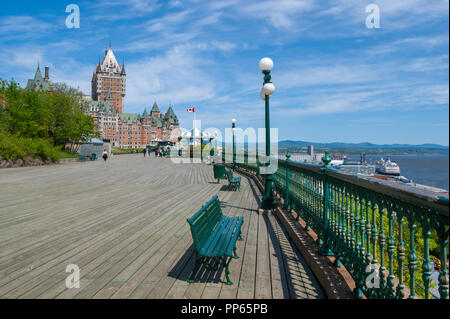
<point>387,167</point>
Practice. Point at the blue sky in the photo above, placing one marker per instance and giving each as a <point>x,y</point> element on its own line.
<point>336,79</point>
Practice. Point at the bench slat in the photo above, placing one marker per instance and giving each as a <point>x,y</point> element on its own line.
<point>212,240</point>
<point>233,240</point>
<point>203,225</point>
<point>193,218</point>
<point>224,241</point>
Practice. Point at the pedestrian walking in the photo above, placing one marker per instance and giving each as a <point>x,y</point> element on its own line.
<point>145,152</point>
<point>105,155</point>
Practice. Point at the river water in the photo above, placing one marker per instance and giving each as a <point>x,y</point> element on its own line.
<point>431,170</point>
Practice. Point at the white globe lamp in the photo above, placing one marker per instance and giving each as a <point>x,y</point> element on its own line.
<point>266,64</point>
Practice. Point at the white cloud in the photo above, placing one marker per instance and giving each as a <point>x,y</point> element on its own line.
<point>427,64</point>
<point>22,27</point>
<point>174,77</point>
<point>282,14</point>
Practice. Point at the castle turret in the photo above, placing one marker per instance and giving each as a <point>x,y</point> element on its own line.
<point>155,111</point>
<point>109,78</point>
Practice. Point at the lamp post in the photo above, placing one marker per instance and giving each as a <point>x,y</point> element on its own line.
<point>211,149</point>
<point>266,65</point>
<point>215,146</point>
<point>201,146</point>
<point>179,146</point>
<point>233,129</point>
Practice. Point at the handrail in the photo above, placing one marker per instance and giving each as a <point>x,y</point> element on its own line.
<point>384,234</point>
<point>426,199</point>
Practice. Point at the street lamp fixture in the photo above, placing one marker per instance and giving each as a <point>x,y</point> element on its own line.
<point>266,65</point>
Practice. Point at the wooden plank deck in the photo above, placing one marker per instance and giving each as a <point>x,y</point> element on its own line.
<point>124,225</point>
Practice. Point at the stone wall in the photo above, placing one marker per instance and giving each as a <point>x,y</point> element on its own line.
<point>27,161</point>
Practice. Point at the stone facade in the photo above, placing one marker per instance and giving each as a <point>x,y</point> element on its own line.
<point>109,81</point>
<point>126,130</point>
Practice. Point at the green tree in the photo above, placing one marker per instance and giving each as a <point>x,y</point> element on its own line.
<point>41,122</point>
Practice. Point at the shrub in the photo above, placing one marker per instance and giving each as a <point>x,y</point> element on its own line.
<point>13,147</point>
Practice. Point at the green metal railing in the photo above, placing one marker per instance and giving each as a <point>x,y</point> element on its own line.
<point>382,234</point>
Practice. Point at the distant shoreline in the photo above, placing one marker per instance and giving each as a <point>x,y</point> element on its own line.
<point>378,152</point>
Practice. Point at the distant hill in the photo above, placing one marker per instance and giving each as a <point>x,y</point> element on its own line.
<point>369,147</point>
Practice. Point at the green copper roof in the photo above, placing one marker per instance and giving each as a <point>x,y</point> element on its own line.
<point>155,108</point>
<point>156,121</point>
<point>170,112</point>
<point>38,75</point>
<point>103,106</point>
<point>38,82</point>
<point>170,116</point>
<point>129,117</point>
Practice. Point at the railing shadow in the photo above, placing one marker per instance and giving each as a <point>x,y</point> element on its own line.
<point>293,278</point>
<point>223,205</point>
<point>287,283</point>
<point>254,191</point>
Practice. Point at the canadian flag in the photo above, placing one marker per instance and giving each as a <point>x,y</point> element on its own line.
<point>191,110</point>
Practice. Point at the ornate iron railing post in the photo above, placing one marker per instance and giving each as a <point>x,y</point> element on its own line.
<point>287,205</point>
<point>426,266</point>
<point>391,251</point>
<point>412,261</point>
<point>443,272</point>
<point>325,249</point>
<point>400,257</point>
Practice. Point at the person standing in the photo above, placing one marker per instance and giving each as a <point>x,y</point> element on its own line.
<point>105,155</point>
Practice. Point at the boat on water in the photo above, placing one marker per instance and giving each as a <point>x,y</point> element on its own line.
<point>338,160</point>
<point>356,167</point>
<point>387,167</point>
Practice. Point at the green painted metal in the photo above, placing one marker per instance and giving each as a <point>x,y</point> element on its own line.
<point>286,197</point>
<point>372,229</point>
<point>201,144</point>
<point>219,172</point>
<point>233,181</point>
<point>443,272</point>
<point>233,126</point>
<point>268,201</point>
<point>215,237</point>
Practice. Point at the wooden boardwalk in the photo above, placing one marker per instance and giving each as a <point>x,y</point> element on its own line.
<point>124,225</point>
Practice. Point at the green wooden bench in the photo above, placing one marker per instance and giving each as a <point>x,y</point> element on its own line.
<point>82,157</point>
<point>234,181</point>
<point>215,237</point>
